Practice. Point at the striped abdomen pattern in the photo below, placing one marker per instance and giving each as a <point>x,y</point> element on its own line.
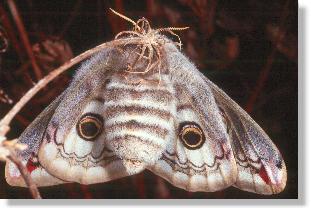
<point>139,118</point>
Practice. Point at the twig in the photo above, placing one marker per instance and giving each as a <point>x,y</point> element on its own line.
<point>25,174</point>
<point>73,15</point>
<point>8,152</point>
<point>162,190</point>
<point>24,37</point>
<point>267,67</point>
<point>4,43</point>
<point>140,184</point>
<point>86,193</point>
<point>43,82</point>
<point>5,21</point>
<point>4,97</point>
<point>260,82</point>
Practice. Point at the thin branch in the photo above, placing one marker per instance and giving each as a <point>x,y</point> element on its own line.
<point>25,174</point>
<point>263,76</point>
<point>24,37</point>
<point>43,82</point>
<point>73,15</point>
<point>6,23</point>
<point>260,82</point>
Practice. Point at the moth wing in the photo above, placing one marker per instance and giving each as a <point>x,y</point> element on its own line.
<point>212,166</point>
<point>261,168</point>
<point>60,154</point>
<point>32,137</point>
<point>68,154</point>
<point>256,165</point>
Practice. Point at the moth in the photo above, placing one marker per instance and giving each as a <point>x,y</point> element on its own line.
<point>141,104</point>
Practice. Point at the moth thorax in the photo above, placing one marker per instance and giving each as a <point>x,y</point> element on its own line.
<point>145,59</point>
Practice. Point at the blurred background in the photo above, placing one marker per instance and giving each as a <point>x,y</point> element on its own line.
<point>247,47</point>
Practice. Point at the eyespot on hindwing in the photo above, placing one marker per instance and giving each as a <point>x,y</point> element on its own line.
<point>191,135</point>
<point>90,126</point>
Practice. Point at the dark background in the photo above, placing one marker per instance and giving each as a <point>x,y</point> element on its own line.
<point>247,47</point>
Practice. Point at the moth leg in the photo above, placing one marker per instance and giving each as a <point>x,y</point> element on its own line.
<point>159,65</point>
<point>142,52</point>
<point>149,65</point>
<point>150,56</point>
<point>159,72</point>
<point>130,67</point>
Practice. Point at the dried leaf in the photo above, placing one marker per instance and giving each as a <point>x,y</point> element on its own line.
<point>52,53</point>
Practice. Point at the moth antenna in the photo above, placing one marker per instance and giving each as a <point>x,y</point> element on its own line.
<point>174,28</point>
<point>124,17</point>
<point>171,29</point>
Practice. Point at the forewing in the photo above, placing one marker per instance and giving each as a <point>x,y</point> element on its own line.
<point>261,168</point>
<point>32,137</point>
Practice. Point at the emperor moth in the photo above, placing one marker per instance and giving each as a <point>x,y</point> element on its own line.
<point>142,104</point>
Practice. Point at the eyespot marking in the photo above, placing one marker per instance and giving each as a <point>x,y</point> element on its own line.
<point>90,126</point>
<point>191,135</point>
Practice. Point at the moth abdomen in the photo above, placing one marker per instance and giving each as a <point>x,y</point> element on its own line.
<point>132,125</point>
<point>139,118</point>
